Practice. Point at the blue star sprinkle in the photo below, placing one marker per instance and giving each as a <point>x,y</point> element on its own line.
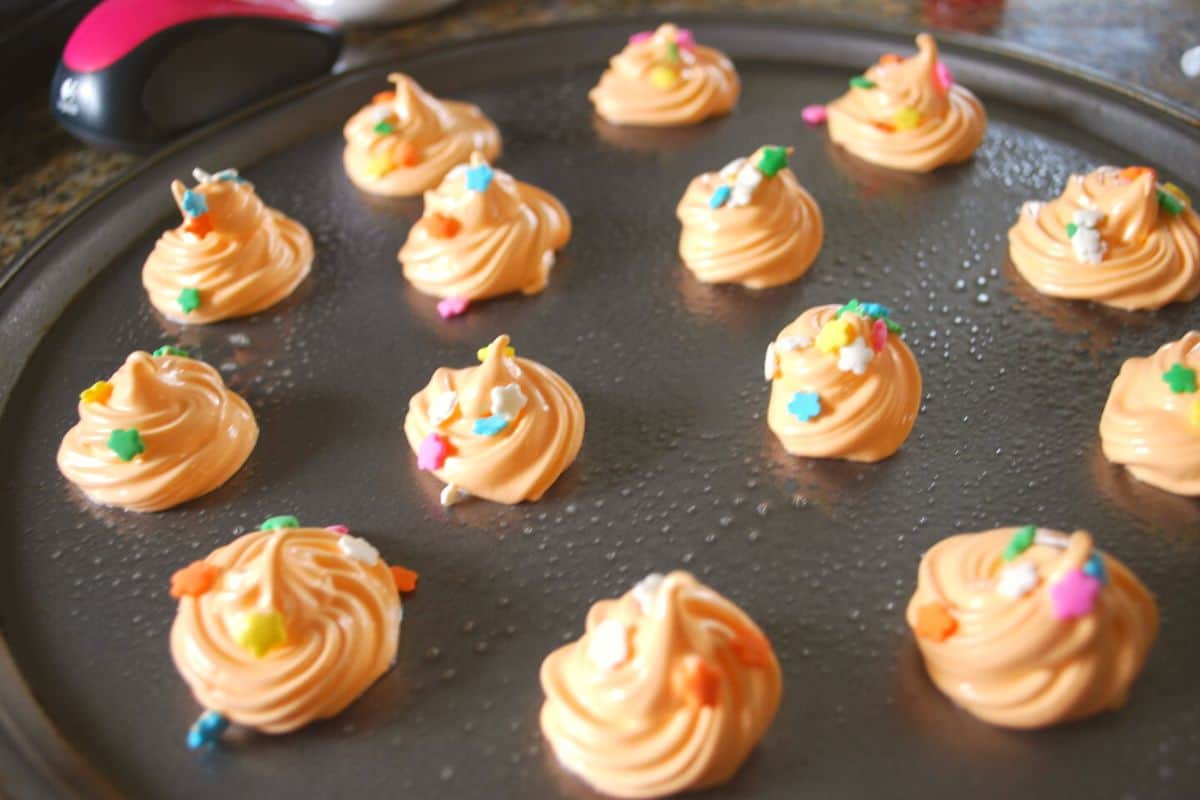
<point>719,196</point>
<point>1095,567</point>
<point>875,310</point>
<point>479,178</point>
<point>805,405</point>
<point>490,426</point>
<point>194,204</point>
<point>206,730</point>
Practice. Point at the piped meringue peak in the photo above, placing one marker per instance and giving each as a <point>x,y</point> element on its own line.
<point>1114,236</point>
<point>406,140</point>
<point>504,430</point>
<point>908,113</point>
<point>484,234</point>
<point>1029,627</point>
<point>663,78</point>
<point>750,223</point>
<point>232,256</point>
<point>668,690</point>
<point>843,383</point>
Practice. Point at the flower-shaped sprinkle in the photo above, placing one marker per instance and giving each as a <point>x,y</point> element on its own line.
<point>835,334</point>
<point>189,299</point>
<point>772,160</point>
<point>358,549</point>
<point>507,401</point>
<point>442,407</point>
<point>453,307</point>
<point>906,119</point>
<point>608,644</point>
<point>194,204</point>
<point>1074,595</point>
<point>935,623</point>
<point>855,357</point>
<point>432,453</point>
<point>1181,379</point>
<point>479,177</point>
<point>1017,580</point>
<point>805,405</point>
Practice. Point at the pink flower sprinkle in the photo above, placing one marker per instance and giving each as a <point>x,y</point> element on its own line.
<point>453,307</point>
<point>879,334</point>
<point>1074,595</point>
<point>814,115</point>
<point>432,453</point>
<point>642,36</point>
<point>341,530</point>
<point>944,77</point>
<point>684,38</point>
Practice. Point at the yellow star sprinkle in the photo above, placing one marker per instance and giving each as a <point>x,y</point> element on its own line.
<point>261,631</point>
<point>664,77</point>
<point>378,166</point>
<point>483,352</point>
<point>836,334</point>
<point>906,119</point>
<point>1194,415</point>
<point>98,392</point>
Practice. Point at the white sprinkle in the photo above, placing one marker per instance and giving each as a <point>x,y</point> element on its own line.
<point>855,356</point>
<point>1088,246</point>
<point>732,168</point>
<point>1087,217</point>
<point>507,401</point>
<point>771,364</point>
<point>647,590</point>
<point>442,407</point>
<point>1190,62</point>
<point>748,179</point>
<point>1017,580</point>
<point>1049,538</point>
<point>790,343</point>
<point>201,176</point>
<point>608,644</point>
<point>358,549</point>
<point>453,495</point>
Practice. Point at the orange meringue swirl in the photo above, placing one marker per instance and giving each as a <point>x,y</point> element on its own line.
<point>1151,429</point>
<point>863,417</point>
<point>1150,257</point>
<point>948,125</point>
<point>524,459</point>
<point>705,83</point>
<point>253,257</point>
<point>503,241</point>
<point>669,689</point>
<point>341,618</point>
<point>429,137</point>
<point>196,432</point>
<point>1011,660</point>
<point>771,240</point>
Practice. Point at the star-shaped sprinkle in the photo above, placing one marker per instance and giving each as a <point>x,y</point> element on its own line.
<point>507,401</point>
<point>384,128</point>
<point>200,226</point>
<point>906,119</point>
<point>126,443</point>
<point>171,350</point>
<point>483,352</point>
<point>876,310</point>
<point>1017,580</point>
<point>1181,379</point>
<point>479,177</point>
<point>935,623</point>
<point>490,426</point>
<point>189,300</point>
<point>442,407</point>
<point>1095,567</point>
<point>788,344</point>
<point>663,77</point>
<point>879,336</point>
<point>405,579</point>
<point>804,405</point>
<point>378,166</point>
<point>453,307</point>
<point>1021,541</point>
<point>261,632</point>
<point>194,204</point>
<point>646,592</point>
<point>452,495</point>
<point>862,82</point>
<point>206,730</point>
<point>943,76</point>
<point>720,196</point>
<point>771,363</point>
<point>855,357</point>
<point>358,549</point>
<point>432,453</point>
<point>608,644</point>
<point>98,392</point>
<point>772,160</point>
<point>835,334</point>
<point>701,681</point>
<point>1074,594</point>
<point>851,307</point>
<point>193,580</point>
<point>281,521</point>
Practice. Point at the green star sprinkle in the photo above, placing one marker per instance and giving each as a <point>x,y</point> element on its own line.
<point>673,53</point>
<point>772,160</point>
<point>189,300</point>
<point>1181,379</point>
<point>1071,228</point>
<point>852,307</point>
<point>384,128</point>
<point>170,350</point>
<point>1020,542</point>
<point>862,82</point>
<point>127,444</point>
<point>1170,203</point>
<point>282,521</point>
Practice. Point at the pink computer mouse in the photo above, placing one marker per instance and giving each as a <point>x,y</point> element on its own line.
<point>136,73</point>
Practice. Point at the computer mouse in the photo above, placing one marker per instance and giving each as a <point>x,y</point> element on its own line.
<point>137,73</point>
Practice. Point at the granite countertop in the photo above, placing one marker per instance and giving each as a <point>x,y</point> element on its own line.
<point>45,172</point>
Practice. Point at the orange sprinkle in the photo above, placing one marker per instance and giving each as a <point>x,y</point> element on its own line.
<point>193,580</point>
<point>885,127</point>
<point>383,97</point>
<point>890,58</point>
<point>199,226</point>
<point>407,154</point>
<point>935,623</point>
<point>701,681</point>
<point>441,226</point>
<point>1133,173</point>
<point>405,579</point>
<point>751,648</point>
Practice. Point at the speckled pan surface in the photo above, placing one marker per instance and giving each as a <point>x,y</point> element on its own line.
<point>677,469</point>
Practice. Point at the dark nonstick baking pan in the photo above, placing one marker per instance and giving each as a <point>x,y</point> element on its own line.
<point>677,469</point>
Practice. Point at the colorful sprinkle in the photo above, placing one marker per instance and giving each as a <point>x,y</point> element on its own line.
<point>443,406</point>
<point>888,59</point>
<point>719,196</point>
<point>879,335</point>
<point>1170,203</point>
<point>507,401</point>
<point>943,76</point>
<point>804,406</point>
<point>1071,229</point>
<point>894,327</point>
<point>1181,379</point>
<point>452,307</point>
<point>1133,173</point>
<point>771,364</point>
<point>378,166</point>
<point>384,128</point>
<point>193,580</point>
<point>641,36</point>
<point>194,204</point>
<point>483,352</point>
<point>862,82</point>
<point>433,452</point>
<point>1174,191</point>
<point>407,154</point>
<point>834,335</point>
<point>206,730</point>
<point>1017,580</point>
<point>1096,568</point>
<point>673,53</point>
<point>189,300</point>
<point>1074,595</point>
<point>876,310</point>
<point>452,495</point>
<point>935,623</point>
<point>281,521</point>
<point>855,357</point>
<point>383,97</point>
<point>663,77</point>
<point>906,119</point>
<point>479,178</point>
<point>171,350</point>
<point>441,226</point>
<point>358,549</point>
<point>701,681</point>
<point>340,530</point>
<point>814,115</point>
<point>98,392</point>
<point>228,174</point>
<point>608,644</point>
<point>1021,541</point>
<point>126,443</point>
<point>772,160</point>
<point>685,39</point>
<point>490,426</point>
<point>405,579</point>
<point>261,632</point>
<point>200,226</point>
<point>746,180</point>
<point>851,307</point>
